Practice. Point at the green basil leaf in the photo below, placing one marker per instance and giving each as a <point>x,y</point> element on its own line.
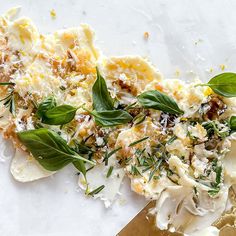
<point>80,166</point>
<point>232,123</point>
<point>111,118</point>
<point>159,101</point>
<point>59,115</point>
<point>101,96</point>
<point>45,105</point>
<point>82,149</point>
<point>223,84</point>
<point>49,149</point>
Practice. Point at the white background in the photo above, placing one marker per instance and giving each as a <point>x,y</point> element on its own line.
<point>187,38</point>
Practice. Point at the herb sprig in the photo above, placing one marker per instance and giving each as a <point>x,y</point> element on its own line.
<point>96,191</point>
<point>9,100</point>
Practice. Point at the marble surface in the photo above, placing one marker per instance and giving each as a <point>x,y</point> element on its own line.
<point>187,38</point>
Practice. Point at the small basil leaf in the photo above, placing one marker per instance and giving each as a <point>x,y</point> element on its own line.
<point>59,115</point>
<point>224,84</point>
<point>111,118</point>
<point>49,149</point>
<point>45,105</point>
<point>159,101</point>
<point>80,166</point>
<point>232,123</point>
<point>101,96</point>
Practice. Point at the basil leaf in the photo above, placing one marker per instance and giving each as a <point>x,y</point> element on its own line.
<point>223,84</point>
<point>159,101</point>
<point>101,96</point>
<point>45,105</point>
<point>49,149</point>
<point>82,149</point>
<point>80,166</point>
<point>111,117</point>
<point>59,115</point>
<point>232,122</point>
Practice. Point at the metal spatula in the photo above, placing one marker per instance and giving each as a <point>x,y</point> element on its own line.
<point>143,224</point>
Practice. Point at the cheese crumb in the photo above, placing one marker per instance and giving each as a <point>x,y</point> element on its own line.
<point>146,35</point>
<point>222,67</point>
<point>53,14</point>
<point>177,72</point>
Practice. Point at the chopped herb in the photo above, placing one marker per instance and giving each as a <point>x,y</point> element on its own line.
<point>213,192</point>
<point>9,100</point>
<point>134,170</point>
<point>108,155</point>
<point>131,106</point>
<point>141,159</point>
<point>62,88</point>
<point>128,160</point>
<point>171,140</point>
<point>138,141</point>
<point>139,119</point>
<point>213,128</point>
<point>96,191</point>
<point>216,185</point>
<point>109,172</point>
<point>218,171</point>
<point>156,177</point>
<point>6,83</point>
<point>156,167</point>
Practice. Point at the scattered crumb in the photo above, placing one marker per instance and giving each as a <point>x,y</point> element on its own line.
<point>122,201</point>
<point>146,35</point>
<point>222,67</point>
<point>198,41</point>
<point>177,72</point>
<point>211,70</point>
<point>53,14</point>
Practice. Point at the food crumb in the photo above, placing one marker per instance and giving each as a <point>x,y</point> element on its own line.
<point>177,72</point>
<point>211,70</point>
<point>122,201</point>
<point>222,67</point>
<point>198,41</point>
<point>53,14</point>
<point>146,35</point>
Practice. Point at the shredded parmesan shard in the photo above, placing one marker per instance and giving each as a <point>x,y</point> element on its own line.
<point>25,168</point>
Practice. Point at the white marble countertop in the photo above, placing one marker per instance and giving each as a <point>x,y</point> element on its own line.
<point>187,38</point>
